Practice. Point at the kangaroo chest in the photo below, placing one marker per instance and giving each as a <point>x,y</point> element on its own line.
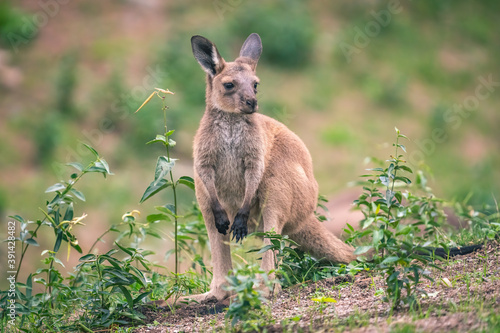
<point>234,147</point>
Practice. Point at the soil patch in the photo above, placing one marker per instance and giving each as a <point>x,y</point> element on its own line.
<point>463,298</point>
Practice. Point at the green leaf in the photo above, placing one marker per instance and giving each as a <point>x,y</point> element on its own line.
<point>55,187</point>
<point>141,296</point>
<point>377,236</point>
<point>76,247</point>
<point>68,215</point>
<point>78,194</point>
<point>405,168</point>
<point>57,244</point>
<point>18,218</point>
<point>104,164</point>
<point>87,257</point>
<point>403,136</point>
<point>154,189</point>
<point>405,180</point>
<point>153,233</point>
<point>76,165</point>
<point>169,133</point>
<point>157,217</point>
<point>159,138</point>
<point>29,286</point>
<point>127,295</point>
<point>92,150</point>
<point>188,181</point>
<point>58,262</point>
<point>31,241</point>
<point>167,209</point>
<point>390,170</point>
<point>163,167</point>
<point>390,259</point>
<point>368,221</point>
<point>362,249</point>
<point>124,249</point>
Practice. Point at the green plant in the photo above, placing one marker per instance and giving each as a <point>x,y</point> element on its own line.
<point>323,302</point>
<point>398,248</point>
<point>293,265</point>
<point>115,289</point>
<point>164,177</point>
<point>39,310</point>
<point>59,213</point>
<point>105,289</point>
<point>192,239</point>
<point>479,226</point>
<point>247,282</point>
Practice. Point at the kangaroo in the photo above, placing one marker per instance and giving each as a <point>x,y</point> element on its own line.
<point>250,169</point>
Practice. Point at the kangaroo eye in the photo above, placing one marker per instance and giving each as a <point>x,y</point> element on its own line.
<point>228,86</point>
<point>255,85</point>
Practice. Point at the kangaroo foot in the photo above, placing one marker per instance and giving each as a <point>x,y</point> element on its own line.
<point>184,301</point>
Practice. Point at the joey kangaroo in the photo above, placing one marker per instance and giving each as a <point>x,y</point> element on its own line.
<point>250,169</point>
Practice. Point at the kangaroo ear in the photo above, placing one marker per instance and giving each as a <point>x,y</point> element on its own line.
<point>252,48</point>
<point>207,55</point>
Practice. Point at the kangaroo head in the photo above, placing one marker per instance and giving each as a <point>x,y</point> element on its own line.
<point>231,86</point>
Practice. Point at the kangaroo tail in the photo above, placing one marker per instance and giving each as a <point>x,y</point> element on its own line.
<point>455,251</point>
<point>314,238</point>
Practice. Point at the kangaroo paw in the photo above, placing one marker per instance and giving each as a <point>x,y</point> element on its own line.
<point>239,227</point>
<point>221,221</point>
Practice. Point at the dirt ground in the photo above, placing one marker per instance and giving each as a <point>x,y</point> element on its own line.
<point>462,298</point>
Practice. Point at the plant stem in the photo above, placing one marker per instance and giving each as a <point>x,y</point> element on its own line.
<point>167,146</point>
<point>396,163</point>
<point>24,250</point>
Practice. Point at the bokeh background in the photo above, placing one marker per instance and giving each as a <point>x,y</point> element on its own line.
<point>341,74</point>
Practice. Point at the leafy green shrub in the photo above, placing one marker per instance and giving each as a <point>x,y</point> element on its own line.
<point>247,283</point>
<point>478,226</point>
<point>105,289</point>
<point>398,248</point>
<point>110,288</point>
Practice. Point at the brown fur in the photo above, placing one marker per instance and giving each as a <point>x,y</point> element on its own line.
<point>249,167</point>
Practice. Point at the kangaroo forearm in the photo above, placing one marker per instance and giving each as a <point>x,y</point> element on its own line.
<point>253,178</point>
<point>207,176</point>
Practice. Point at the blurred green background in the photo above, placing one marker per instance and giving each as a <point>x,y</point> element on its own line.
<point>341,74</point>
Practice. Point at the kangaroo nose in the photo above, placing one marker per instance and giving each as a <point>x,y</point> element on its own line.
<point>252,102</point>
